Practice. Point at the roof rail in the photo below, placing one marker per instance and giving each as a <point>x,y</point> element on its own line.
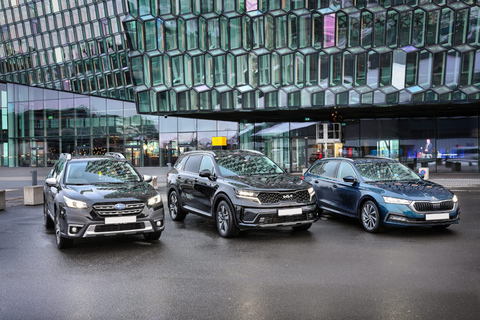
<point>115,155</point>
<point>67,156</point>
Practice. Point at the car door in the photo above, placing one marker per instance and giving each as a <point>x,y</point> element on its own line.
<point>324,182</point>
<point>347,194</point>
<point>205,187</point>
<point>186,180</point>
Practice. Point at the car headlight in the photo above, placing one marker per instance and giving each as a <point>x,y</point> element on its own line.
<point>396,200</point>
<point>74,203</point>
<point>154,200</point>
<point>247,194</point>
<point>455,199</point>
<point>311,191</point>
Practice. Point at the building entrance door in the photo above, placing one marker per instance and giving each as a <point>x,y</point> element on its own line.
<point>133,153</point>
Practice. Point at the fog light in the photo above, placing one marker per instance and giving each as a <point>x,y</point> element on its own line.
<point>74,229</point>
<point>393,217</point>
<point>262,220</point>
<point>159,223</point>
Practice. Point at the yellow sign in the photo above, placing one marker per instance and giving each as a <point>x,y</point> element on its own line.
<point>219,141</point>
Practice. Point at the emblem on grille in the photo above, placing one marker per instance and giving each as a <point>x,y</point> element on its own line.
<point>287,196</point>
<point>120,206</point>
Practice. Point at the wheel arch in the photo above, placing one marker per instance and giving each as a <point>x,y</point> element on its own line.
<point>219,197</point>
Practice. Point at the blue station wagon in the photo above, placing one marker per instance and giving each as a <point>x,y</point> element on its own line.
<point>381,192</point>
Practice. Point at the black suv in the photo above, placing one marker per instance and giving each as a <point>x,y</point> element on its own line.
<point>100,196</point>
<point>239,189</point>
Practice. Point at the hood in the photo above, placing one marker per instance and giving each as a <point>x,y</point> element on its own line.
<point>111,192</point>
<point>414,190</point>
<point>269,182</point>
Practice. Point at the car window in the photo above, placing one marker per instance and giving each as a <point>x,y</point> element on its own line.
<point>193,163</point>
<point>100,171</point>
<point>207,164</point>
<point>385,171</point>
<point>326,169</point>
<point>345,170</point>
<point>317,168</point>
<point>180,163</point>
<point>246,164</point>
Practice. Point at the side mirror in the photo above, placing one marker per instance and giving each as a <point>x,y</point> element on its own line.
<point>51,182</point>
<point>205,173</point>
<point>147,178</point>
<point>350,179</point>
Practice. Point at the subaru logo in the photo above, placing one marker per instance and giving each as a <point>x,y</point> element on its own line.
<point>287,196</point>
<point>120,206</point>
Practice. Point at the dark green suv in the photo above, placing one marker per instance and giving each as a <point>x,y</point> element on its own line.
<point>100,196</point>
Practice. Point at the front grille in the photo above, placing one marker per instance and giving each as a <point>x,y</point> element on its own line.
<point>276,197</point>
<point>425,206</point>
<point>283,219</point>
<point>132,208</point>
<point>119,227</point>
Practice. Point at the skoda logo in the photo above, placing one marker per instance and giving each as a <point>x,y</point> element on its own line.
<point>287,196</point>
<point>120,206</point>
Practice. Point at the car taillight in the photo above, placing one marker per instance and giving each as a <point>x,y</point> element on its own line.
<point>303,177</point>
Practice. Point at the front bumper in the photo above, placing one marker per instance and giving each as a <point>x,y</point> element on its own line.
<point>253,217</point>
<point>75,225</point>
<point>402,215</point>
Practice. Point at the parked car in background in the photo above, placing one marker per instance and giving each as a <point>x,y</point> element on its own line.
<point>381,192</point>
<point>100,196</point>
<point>240,190</point>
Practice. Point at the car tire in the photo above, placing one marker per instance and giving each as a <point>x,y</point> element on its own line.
<point>47,221</point>
<point>174,207</point>
<point>370,217</point>
<point>303,227</point>
<point>225,220</point>
<point>62,242</point>
<point>152,235</point>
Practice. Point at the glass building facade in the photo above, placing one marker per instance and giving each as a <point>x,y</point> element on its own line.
<point>155,78</point>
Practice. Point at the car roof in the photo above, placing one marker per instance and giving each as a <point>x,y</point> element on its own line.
<point>224,152</point>
<point>366,159</point>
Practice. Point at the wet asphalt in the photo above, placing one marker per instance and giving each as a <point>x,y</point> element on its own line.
<point>335,270</point>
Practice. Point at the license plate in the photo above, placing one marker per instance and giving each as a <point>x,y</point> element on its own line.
<point>289,212</point>
<point>119,220</point>
<point>437,216</point>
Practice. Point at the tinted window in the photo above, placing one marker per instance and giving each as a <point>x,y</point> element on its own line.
<point>207,164</point>
<point>193,163</point>
<point>325,169</point>
<point>345,170</point>
<point>317,168</point>
<point>180,162</point>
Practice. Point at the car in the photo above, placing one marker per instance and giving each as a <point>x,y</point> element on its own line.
<point>100,196</point>
<point>381,192</point>
<point>239,190</point>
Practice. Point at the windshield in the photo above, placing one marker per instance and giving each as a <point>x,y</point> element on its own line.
<point>245,165</point>
<point>385,171</point>
<point>100,171</point>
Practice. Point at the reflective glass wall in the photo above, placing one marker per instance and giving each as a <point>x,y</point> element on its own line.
<point>210,56</point>
<point>39,124</point>
<point>70,45</point>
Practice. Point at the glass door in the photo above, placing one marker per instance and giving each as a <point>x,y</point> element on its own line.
<point>133,154</point>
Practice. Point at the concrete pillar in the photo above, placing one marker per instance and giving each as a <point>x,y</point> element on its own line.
<point>33,195</point>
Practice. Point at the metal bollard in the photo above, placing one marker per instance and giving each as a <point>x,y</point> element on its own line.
<point>34,177</point>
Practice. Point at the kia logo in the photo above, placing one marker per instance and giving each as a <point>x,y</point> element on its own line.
<point>287,196</point>
<point>120,206</point>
